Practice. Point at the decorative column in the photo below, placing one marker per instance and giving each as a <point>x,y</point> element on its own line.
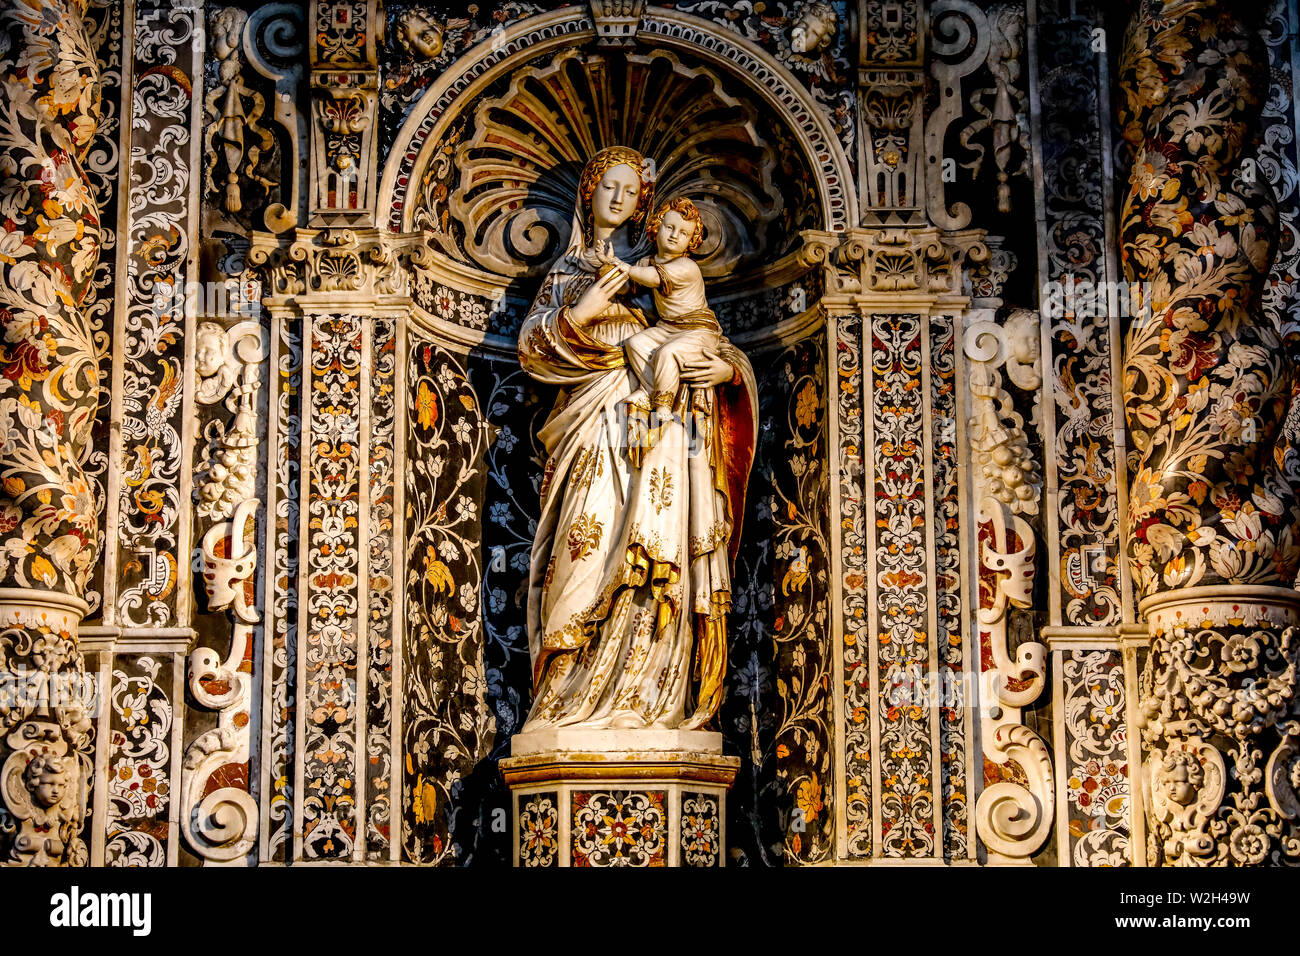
<point>49,246</point>
<point>900,292</point>
<point>347,283</point>
<point>1213,512</point>
<point>349,290</point>
<point>894,300</point>
<point>47,405</point>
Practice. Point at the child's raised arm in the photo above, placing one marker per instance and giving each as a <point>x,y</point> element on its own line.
<point>646,275</point>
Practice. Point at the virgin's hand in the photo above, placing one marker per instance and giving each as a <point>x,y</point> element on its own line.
<point>706,371</point>
<point>598,296</point>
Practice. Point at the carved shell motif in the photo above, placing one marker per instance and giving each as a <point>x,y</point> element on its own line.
<point>504,200</point>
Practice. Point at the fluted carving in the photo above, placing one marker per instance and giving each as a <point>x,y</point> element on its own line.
<point>1212,510</point>
<point>49,383</point>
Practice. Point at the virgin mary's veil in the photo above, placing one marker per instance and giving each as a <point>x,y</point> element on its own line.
<point>576,250</point>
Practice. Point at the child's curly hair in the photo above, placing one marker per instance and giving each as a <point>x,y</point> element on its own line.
<point>684,208</point>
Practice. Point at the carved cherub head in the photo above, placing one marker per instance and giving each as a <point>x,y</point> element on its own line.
<point>814,28</point>
<point>210,351</point>
<point>1181,777</point>
<point>420,34</point>
<point>676,228</point>
<point>48,778</point>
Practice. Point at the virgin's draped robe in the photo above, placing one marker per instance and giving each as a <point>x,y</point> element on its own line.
<point>630,579</point>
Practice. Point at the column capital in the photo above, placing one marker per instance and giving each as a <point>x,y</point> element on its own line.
<point>896,268</point>
<point>335,269</point>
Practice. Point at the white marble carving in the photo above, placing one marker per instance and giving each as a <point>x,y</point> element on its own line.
<point>1013,815</point>
<point>221,826</point>
<point>228,362</point>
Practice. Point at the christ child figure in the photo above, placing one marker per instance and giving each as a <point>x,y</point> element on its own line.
<point>686,329</point>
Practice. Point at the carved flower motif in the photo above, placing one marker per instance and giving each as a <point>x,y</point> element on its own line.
<point>1241,652</point>
<point>1249,845</point>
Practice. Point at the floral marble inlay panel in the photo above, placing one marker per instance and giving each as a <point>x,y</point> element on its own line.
<point>620,828</point>
<point>701,829</point>
<point>539,829</point>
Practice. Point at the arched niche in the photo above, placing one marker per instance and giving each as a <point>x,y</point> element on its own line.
<point>487,163</point>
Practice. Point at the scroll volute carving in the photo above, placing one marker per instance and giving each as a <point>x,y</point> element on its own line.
<point>967,38</point>
<point>253,119</point>
<point>1015,810</point>
<point>219,817</point>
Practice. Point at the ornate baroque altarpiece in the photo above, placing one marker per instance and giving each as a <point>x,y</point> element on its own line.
<point>1013,579</point>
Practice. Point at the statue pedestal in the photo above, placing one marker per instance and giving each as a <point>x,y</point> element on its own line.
<point>619,797</point>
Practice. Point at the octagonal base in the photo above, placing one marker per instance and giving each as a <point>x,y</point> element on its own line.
<point>619,798</point>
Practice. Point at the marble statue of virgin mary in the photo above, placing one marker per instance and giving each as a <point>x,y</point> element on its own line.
<point>630,581</point>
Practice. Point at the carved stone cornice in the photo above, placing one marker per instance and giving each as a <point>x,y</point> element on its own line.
<point>898,262</point>
<point>337,267</point>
